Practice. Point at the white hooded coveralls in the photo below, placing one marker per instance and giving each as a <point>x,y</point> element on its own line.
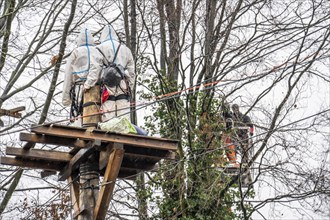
<point>109,45</point>
<point>82,69</point>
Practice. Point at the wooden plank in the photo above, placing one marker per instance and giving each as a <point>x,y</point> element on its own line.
<point>30,163</point>
<point>29,145</point>
<point>97,130</point>
<point>61,126</point>
<point>10,113</point>
<point>45,139</point>
<point>38,154</point>
<point>104,156</point>
<point>135,140</point>
<point>108,184</point>
<point>133,160</point>
<point>149,152</point>
<point>170,155</point>
<point>77,159</point>
<point>46,173</point>
<point>74,191</point>
<point>73,151</point>
<point>166,140</point>
<point>139,165</point>
<point>17,109</point>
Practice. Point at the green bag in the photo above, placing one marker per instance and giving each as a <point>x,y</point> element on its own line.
<point>119,125</point>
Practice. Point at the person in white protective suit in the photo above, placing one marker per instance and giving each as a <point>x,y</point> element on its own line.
<point>116,100</point>
<point>82,71</point>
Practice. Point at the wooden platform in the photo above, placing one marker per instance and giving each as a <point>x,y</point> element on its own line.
<point>141,153</point>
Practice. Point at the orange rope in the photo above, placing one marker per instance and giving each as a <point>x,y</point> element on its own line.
<point>275,68</point>
<point>188,89</point>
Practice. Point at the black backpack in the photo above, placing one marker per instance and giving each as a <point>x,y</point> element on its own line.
<point>113,73</point>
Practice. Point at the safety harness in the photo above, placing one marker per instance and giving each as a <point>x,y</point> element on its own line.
<point>76,104</point>
<point>118,97</point>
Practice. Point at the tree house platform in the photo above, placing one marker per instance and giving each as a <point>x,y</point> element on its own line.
<point>140,153</point>
<point>111,155</point>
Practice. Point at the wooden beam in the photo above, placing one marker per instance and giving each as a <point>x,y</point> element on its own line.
<point>104,156</point>
<point>77,159</point>
<point>38,154</point>
<point>29,145</point>
<point>137,164</point>
<point>17,109</point>
<point>29,163</point>
<point>77,143</point>
<point>136,161</point>
<point>134,140</point>
<point>12,112</point>
<point>170,155</point>
<point>74,191</point>
<point>108,184</point>
<point>45,139</point>
<point>46,173</point>
<point>150,152</point>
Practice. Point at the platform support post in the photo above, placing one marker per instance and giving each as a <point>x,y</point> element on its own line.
<point>111,173</point>
<point>89,170</point>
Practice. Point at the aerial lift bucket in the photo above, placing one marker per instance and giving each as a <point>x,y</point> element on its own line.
<point>231,152</point>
